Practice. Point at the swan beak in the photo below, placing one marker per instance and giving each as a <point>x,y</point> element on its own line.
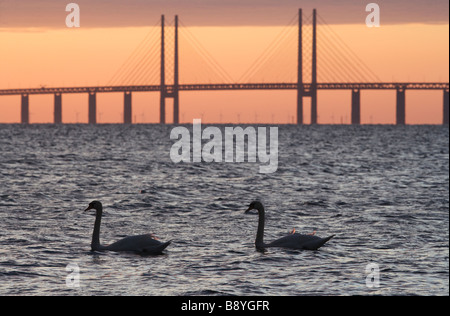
<point>248,210</point>
<point>89,208</point>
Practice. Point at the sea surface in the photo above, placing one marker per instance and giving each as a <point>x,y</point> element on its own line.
<point>382,190</point>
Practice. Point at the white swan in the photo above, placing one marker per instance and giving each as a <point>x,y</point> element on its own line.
<point>292,241</point>
<point>142,244</point>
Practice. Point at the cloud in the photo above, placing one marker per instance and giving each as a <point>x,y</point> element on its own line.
<point>101,13</point>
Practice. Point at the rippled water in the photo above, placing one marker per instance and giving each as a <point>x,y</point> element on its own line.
<point>383,190</point>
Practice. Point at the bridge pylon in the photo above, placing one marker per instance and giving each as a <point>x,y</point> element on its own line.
<point>301,90</point>
<point>300,70</point>
<point>173,90</point>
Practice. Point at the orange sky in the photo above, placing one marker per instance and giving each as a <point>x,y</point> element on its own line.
<point>91,56</point>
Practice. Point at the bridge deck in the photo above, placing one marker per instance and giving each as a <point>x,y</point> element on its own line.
<point>234,86</point>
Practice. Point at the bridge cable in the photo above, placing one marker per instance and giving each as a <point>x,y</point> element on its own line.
<point>131,58</point>
<point>268,51</point>
<point>358,60</point>
<point>203,52</point>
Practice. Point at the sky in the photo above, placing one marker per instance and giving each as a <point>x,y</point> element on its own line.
<point>37,49</point>
<point>113,13</point>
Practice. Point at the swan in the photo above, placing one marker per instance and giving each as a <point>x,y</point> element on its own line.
<point>142,244</point>
<point>291,241</point>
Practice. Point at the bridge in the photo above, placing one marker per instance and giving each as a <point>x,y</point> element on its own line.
<point>304,89</point>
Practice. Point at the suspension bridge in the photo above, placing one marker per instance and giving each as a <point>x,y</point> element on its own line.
<point>340,69</point>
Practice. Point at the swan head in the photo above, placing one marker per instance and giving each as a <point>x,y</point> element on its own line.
<point>255,205</point>
<point>96,205</point>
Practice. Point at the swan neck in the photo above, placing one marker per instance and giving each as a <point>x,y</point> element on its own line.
<point>95,244</point>
<point>260,233</point>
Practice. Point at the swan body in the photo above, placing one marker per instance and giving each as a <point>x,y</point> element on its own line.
<point>292,241</point>
<point>142,244</point>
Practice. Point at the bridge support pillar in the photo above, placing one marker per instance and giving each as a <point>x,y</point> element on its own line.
<point>446,109</point>
<point>356,107</point>
<point>57,113</point>
<point>299,107</point>
<point>92,108</point>
<point>162,109</point>
<point>176,108</point>
<point>313,106</point>
<point>25,109</point>
<point>127,108</point>
<point>401,107</point>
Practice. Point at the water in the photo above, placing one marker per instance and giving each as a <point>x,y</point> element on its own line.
<point>383,190</point>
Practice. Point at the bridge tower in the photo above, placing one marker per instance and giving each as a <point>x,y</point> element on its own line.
<point>165,92</point>
<point>301,91</point>
<point>300,70</point>
<point>314,71</point>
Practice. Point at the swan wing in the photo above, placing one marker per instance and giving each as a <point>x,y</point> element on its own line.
<point>155,250</point>
<point>141,243</point>
<point>300,241</point>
